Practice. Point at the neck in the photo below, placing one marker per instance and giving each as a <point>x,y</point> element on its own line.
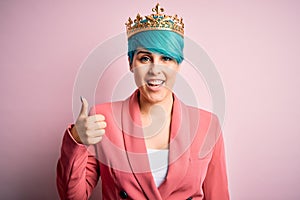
<point>163,106</point>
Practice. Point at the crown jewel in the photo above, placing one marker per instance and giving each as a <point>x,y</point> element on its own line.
<point>156,21</point>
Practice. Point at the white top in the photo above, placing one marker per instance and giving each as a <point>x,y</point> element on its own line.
<point>158,160</point>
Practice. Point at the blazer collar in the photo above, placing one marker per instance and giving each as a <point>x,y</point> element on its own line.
<point>137,152</point>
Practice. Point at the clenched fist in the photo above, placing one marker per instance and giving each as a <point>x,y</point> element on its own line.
<point>88,129</point>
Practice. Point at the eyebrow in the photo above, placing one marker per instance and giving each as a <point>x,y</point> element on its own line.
<point>141,51</point>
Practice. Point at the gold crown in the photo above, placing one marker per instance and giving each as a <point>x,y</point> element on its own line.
<point>156,21</point>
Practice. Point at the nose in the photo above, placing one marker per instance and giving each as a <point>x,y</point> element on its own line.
<point>155,66</point>
<point>154,69</point>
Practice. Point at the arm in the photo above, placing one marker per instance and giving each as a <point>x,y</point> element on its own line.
<point>215,185</point>
<point>77,169</point>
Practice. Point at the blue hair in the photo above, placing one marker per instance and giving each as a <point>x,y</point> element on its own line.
<point>164,42</point>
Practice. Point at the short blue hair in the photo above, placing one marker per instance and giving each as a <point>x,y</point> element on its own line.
<point>164,42</point>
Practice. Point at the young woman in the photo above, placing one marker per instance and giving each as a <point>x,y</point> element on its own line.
<point>151,145</point>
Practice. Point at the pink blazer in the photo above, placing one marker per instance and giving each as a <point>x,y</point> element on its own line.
<point>196,167</point>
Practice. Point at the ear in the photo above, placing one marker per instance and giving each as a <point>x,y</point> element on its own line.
<point>130,66</point>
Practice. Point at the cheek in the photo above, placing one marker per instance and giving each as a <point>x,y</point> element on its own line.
<point>171,75</point>
<point>171,80</point>
<point>139,75</point>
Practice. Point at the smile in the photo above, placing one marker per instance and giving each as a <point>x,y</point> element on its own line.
<point>155,83</point>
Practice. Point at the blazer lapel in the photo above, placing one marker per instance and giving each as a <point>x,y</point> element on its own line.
<point>135,147</point>
<point>180,141</point>
<point>179,148</point>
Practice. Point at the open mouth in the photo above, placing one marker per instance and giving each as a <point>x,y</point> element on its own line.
<point>155,83</point>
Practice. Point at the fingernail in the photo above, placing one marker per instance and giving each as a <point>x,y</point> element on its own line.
<point>81,98</point>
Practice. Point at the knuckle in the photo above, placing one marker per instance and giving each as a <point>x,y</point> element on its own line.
<point>87,133</point>
<point>100,117</point>
<point>102,124</point>
<point>99,139</point>
<point>101,132</point>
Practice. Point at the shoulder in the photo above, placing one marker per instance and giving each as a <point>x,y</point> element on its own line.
<point>204,123</point>
<point>204,115</point>
<point>193,112</point>
<point>205,131</point>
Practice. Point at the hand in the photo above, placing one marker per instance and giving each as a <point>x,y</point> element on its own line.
<point>88,129</point>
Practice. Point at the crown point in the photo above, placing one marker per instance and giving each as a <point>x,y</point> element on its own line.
<point>138,19</point>
<point>129,22</point>
<point>157,9</point>
<point>155,21</point>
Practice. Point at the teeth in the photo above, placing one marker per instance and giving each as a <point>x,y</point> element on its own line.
<point>155,82</point>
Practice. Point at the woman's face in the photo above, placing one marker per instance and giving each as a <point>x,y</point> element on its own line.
<point>154,75</point>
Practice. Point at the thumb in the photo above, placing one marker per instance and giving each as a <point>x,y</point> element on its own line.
<point>84,107</point>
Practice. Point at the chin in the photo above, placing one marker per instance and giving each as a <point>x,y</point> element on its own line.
<point>155,96</point>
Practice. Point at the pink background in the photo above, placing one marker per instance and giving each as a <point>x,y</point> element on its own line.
<point>254,45</point>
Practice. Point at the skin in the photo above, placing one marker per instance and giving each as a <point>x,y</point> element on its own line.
<point>155,102</point>
<point>155,76</point>
<point>148,66</point>
<point>88,129</point>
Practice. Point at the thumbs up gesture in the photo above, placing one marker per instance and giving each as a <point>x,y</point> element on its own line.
<point>88,129</point>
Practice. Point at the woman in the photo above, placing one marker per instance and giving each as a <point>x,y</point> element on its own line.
<point>150,146</point>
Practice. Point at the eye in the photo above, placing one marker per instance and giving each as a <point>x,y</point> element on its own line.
<point>166,58</point>
<point>145,59</point>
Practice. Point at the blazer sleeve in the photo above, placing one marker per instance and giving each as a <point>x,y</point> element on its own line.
<point>215,185</point>
<point>77,169</point>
